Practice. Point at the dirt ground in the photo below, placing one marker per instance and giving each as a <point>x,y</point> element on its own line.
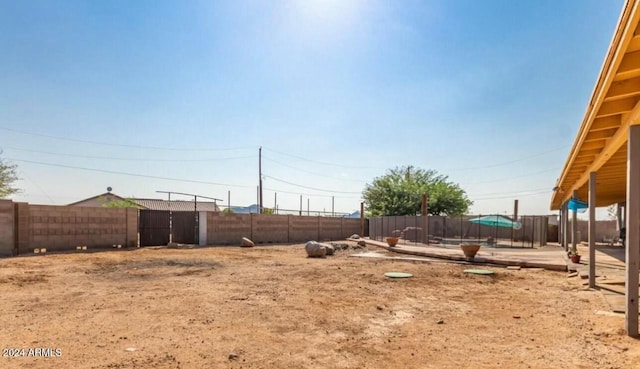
<point>272,307</point>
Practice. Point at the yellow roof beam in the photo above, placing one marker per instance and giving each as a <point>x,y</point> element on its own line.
<point>616,107</point>
<point>624,89</point>
<point>612,121</point>
<point>611,147</point>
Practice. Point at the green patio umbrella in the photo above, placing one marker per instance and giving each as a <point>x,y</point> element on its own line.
<point>496,220</point>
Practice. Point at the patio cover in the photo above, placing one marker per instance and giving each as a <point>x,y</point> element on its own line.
<point>600,145</point>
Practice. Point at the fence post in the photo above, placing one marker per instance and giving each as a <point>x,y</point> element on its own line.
<point>362,219</point>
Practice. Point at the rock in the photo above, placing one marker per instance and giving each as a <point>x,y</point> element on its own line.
<point>315,249</point>
<point>440,321</point>
<point>339,246</point>
<point>246,242</point>
<point>379,307</point>
<point>330,249</point>
<point>355,236</point>
<point>233,356</point>
<point>361,243</point>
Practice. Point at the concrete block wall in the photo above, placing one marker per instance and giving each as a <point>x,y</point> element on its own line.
<point>330,229</point>
<point>302,229</point>
<point>7,228</point>
<point>60,228</point>
<point>131,227</point>
<point>228,229</point>
<point>604,229</point>
<point>25,227</point>
<point>351,226</point>
<point>270,228</point>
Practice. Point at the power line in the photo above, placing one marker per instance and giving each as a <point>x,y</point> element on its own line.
<point>453,169</point>
<point>311,195</point>
<point>321,162</point>
<point>511,161</point>
<point>125,159</point>
<point>307,187</point>
<point>310,172</point>
<point>123,145</point>
<point>509,193</point>
<point>512,196</point>
<point>512,177</point>
<point>128,174</point>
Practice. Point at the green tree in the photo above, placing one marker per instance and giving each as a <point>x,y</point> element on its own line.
<point>267,211</point>
<point>119,204</point>
<point>8,176</point>
<point>399,192</point>
<point>228,210</point>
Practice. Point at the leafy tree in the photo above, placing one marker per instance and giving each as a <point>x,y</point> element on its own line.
<point>399,192</point>
<point>267,211</point>
<point>8,176</point>
<point>228,210</point>
<point>119,204</point>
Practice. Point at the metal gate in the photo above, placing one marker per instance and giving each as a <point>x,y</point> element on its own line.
<point>157,225</point>
<point>184,227</point>
<point>154,227</point>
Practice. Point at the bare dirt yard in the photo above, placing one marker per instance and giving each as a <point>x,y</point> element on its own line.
<point>272,307</point>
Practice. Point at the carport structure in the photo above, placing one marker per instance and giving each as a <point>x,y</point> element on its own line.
<point>603,167</point>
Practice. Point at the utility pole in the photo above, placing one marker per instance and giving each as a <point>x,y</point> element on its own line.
<point>260,182</point>
<point>333,212</point>
<point>275,202</point>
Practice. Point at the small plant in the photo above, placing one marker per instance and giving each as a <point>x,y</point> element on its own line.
<point>574,255</point>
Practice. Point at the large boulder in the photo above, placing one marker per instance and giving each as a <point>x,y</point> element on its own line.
<point>246,242</point>
<point>315,249</point>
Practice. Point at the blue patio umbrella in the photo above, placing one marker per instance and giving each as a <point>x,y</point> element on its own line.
<point>577,205</point>
<point>496,220</point>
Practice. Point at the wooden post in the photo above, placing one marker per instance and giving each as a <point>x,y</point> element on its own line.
<point>362,219</point>
<point>619,222</point>
<point>632,218</point>
<point>574,226</point>
<point>592,230</point>
<point>561,226</point>
<point>425,220</point>
<point>566,227</point>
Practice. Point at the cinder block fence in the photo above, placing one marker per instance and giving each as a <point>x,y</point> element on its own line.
<point>226,229</point>
<point>25,227</point>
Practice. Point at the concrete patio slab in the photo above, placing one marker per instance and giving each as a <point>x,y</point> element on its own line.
<point>547,258</point>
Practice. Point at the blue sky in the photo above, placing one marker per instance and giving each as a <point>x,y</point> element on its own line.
<point>490,93</point>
